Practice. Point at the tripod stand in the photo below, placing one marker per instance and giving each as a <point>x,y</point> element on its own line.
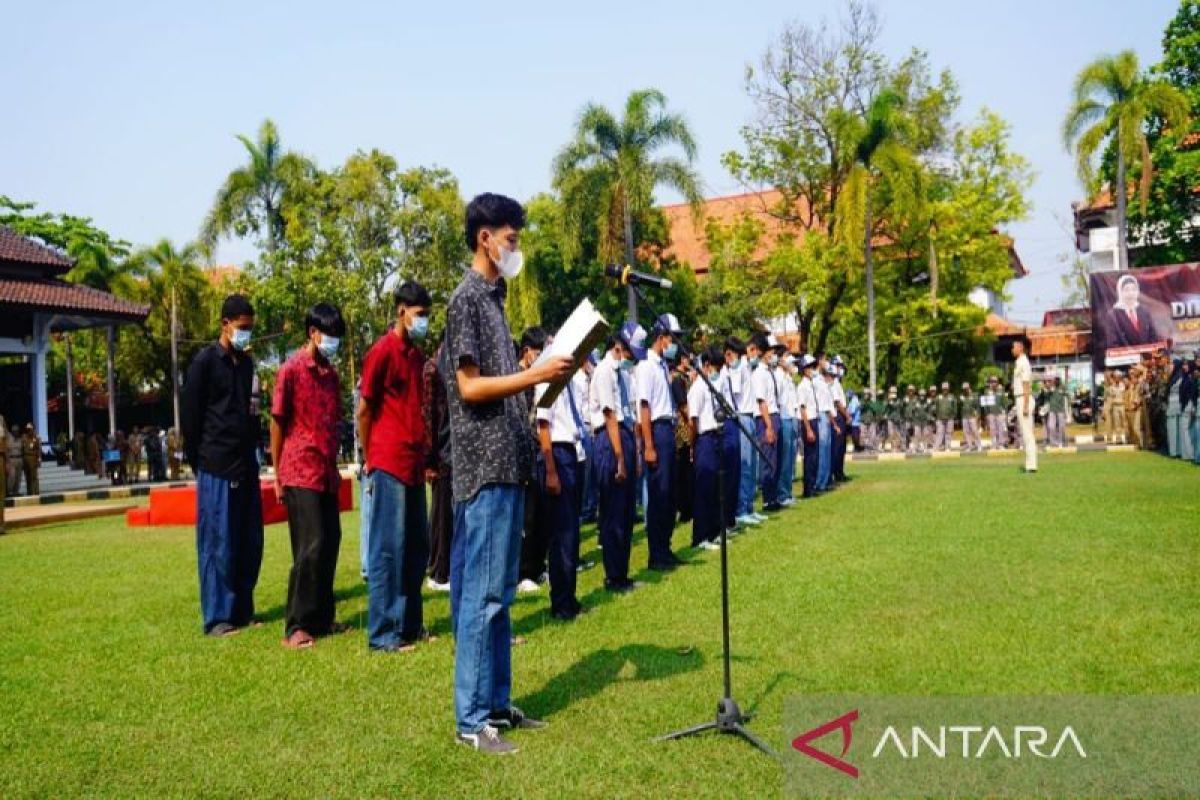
<point>730,718</point>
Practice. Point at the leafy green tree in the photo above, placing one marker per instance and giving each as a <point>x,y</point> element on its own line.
<point>1165,223</point>
<point>1113,101</point>
<point>253,197</point>
<point>607,174</point>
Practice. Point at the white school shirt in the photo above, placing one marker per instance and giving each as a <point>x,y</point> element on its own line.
<point>563,429</point>
<point>1022,372</point>
<point>604,393</point>
<point>839,394</point>
<point>746,403</point>
<point>788,406</point>
<point>824,396</point>
<point>765,388</point>
<point>729,381</point>
<point>701,407</point>
<point>653,388</point>
<point>583,395</point>
<point>807,397</point>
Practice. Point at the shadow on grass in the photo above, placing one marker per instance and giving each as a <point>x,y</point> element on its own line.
<point>600,668</point>
<point>339,596</point>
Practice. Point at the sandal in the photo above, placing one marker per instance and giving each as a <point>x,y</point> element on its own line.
<point>299,640</point>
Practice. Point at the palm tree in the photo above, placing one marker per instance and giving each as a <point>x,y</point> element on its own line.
<point>880,150</point>
<point>252,196</point>
<point>98,267</point>
<point>1112,101</point>
<point>610,169</point>
<point>169,271</point>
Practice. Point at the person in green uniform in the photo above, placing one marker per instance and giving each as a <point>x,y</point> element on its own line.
<point>912,414</point>
<point>945,411</point>
<point>893,411</point>
<point>968,414</point>
<point>31,458</point>
<point>992,402</point>
<point>868,420</point>
<point>1056,413</point>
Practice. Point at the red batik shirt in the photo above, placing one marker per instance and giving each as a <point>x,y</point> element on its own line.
<point>307,404</point>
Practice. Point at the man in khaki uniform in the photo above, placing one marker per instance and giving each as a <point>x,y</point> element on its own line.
<point>1024,404</point>
<point>31,458</point>
<point>945,409</point>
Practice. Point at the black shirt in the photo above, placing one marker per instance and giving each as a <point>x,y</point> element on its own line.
<point>219,428</point>
<point>489,442</point>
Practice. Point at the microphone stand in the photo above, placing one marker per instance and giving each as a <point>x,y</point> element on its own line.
<point>730,718</point>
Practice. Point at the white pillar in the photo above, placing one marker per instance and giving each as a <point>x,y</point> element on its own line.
<point>41,341</point>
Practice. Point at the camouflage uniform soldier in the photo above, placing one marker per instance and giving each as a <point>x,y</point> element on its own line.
<point>945,409</point>
<point>1010,417</point>
<point>868,418</point>
<point>968,412</point>
<point>1056,414</point>
<point>911,405</point>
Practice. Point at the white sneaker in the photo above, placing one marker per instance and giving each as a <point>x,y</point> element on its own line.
<point>760,518</point>
<point>747,520</point>
<point>489,741</point>
<point>526,586</point>
<point>434,586</point>
<point>787,501</point>
<point>709,546</point>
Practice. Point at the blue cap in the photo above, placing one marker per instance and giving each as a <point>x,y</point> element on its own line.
<point>667,323</point>
<point>634,337</point>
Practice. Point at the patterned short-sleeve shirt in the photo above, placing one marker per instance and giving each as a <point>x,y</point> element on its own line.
<point>489,442</point>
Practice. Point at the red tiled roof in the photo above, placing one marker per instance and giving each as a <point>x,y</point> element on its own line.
<point>49,294</point>
<point>690,245</point>
<point>18,249</point>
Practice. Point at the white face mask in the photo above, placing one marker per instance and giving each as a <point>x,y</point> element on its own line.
<point>509,262</point>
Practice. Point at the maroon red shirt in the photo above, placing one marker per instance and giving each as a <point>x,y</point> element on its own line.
<point>393,388</point>
<point>307,404</point>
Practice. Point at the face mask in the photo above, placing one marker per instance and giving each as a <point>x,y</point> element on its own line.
<point>627,364</point>
<point>328,346</point>
<point>419,328</point>
<point>239,338</point>
<point>670,351</point>
<point>752,361</point>
<point>772,360</point>
<point>509,263</point>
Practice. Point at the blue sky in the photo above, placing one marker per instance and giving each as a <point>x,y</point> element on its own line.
<point>126,112</point>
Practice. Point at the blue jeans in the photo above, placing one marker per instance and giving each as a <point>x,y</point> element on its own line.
<point>483,582</point>
<point>747,482</point>
<point>787,458</point>
<point>229,547</point>
<point>364,521</point>
<point>399,553</point>
<point>588,496</point>
<point>824,452</point>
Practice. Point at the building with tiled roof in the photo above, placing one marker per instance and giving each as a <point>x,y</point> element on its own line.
<point>36,302</point>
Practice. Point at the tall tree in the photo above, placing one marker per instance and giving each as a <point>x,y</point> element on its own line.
<point>252,198</point>
<point>1112,101</point>
<point>617,162</point>
<point>880,147</point>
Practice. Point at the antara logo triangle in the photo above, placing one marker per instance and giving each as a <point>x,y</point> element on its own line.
<point>844,723</point>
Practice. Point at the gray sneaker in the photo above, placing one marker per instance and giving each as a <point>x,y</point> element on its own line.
<point>488,740</point>
<point>514,718</point>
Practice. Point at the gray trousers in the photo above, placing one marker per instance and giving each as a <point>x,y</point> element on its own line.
<point>970,429</point>
<point>895,435</point>
<point>14,476</point>
<point>996,430</point>
<point>868,435</point>
<point>1056,429</point>
<point>945,433</point>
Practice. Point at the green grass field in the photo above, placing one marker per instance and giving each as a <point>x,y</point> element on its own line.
<point>953,577</point>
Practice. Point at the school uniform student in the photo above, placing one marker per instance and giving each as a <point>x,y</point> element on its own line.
<point>788,413</point>
<point>810,426</point>
<point>707,436</point>
<point>657,417</point>
<point>748,413</point>
<point>766,394</point>
<point>306,410</point>
<point>731,438</point>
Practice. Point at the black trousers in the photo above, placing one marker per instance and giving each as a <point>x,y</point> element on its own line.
<point>441,529</point>
<point>534,546</point>
<point>616,505</point>
<point>838,454</point>
<point>811,453</point>
<point>684,480</point>
<point>315,527</point>
<point>559,528</point>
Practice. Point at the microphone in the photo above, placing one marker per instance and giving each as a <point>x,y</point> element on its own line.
<point>627,275</point>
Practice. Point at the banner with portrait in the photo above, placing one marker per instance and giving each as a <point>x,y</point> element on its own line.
<point>1135,312</point>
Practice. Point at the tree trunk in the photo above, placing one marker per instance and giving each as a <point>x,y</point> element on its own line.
<point>174,359</point>
<point>933,273</point>
<point>627,214</point>
<point>870,264</point>
<point>1122,202</point>
<point>112,379</point>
